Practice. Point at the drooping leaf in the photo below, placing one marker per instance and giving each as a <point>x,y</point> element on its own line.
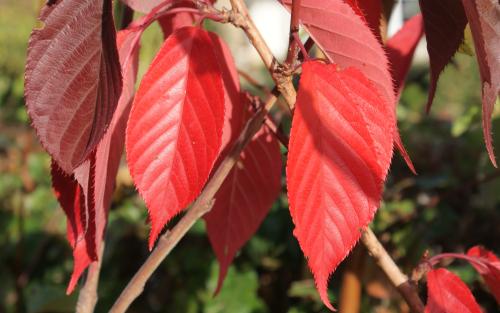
<point>75,195</point>
<point>484,20</point>
<point>444,23</point>
<point>339,154</point>
<point>400,49</point>
<point>490,272</point>
<point>73,78</point>
<point>371,11</point>
<point>244,199</point>
<point>347,41</point>
<point>175,125</point>
<point>85,196</point>
<point>446,293</point>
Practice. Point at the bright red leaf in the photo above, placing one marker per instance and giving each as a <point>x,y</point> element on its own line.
<point>72,78</point>
<point>444,23</point>
<point>244,199</point>
<point>400,49</point>
<point>484,19</point>
<point>490,272</point>
<point>446,293</point>
<point>339,153</point>
<point>175,126</point>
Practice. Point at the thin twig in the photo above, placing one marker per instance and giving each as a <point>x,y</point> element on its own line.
<point>241,18</point>
<point>202,205</point>
<point>87,298</point>
<point>252,81</point>
<point>293,47</point>
<point>397,278</point>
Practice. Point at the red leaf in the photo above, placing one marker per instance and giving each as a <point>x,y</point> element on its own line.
<point>175,126</point>
<point>484,19</point>
<point>347,41</point>
<point>444,23</point>
<point>339,153</point>
<point>371,11</point>
<point>244,199</point>
<point>491,271</point>
<point>72,78</point>
<point>75,194</point>
<point>446,293</point>
<point>86,195</point>
<point>400,49</point>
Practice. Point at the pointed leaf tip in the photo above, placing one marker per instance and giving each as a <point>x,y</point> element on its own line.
<point>175,126</point>
<point>340,149</point>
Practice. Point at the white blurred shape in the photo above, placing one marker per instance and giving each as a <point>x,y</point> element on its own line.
<point>273,22</point>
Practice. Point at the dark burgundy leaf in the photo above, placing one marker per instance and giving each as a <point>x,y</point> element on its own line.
<point>340,150</point>
<point>444,23</point>
<point>86,195</point>
<point>484,20</point>
<point>175,125</point>
<point>72,78</point>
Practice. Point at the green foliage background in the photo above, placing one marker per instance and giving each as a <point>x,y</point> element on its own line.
<point>451,205</point>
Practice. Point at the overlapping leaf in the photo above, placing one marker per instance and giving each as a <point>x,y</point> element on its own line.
<point>175,125</point>
<point>244,199</point>
<point>340,149</point>
<point>73,78</point>
<point>85,196</point>
<point>444,23</point>
<point>75,193</point>
<point>446,293</point>
<point>347,41</point>
<point>490,271</point>
<point>484,19</point>
<point>400,49</point>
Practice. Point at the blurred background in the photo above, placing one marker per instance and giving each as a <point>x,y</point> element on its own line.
<point>450,206</point>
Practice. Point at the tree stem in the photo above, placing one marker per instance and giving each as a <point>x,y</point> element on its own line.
<point>87,297</point>
<point>242,19</point>
<point>202,205</point>
<point>391,270</point>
